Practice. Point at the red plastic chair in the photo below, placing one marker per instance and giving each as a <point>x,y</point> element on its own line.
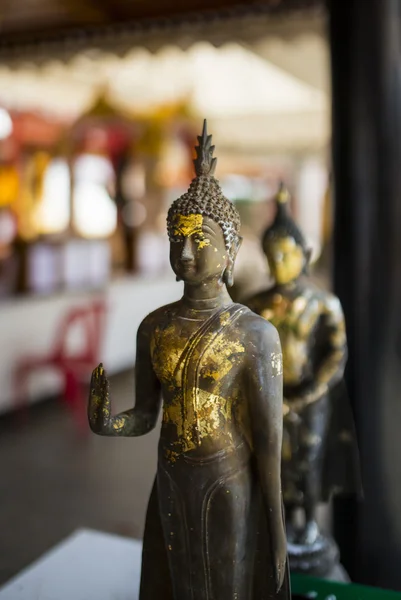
<point>75,367</point>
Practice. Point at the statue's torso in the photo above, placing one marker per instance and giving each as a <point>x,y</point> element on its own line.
<point>297,318</point>
<point>204,411</point>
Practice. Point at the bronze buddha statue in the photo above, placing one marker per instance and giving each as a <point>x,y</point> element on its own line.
<point>214,526</point>
<point>319,453</point>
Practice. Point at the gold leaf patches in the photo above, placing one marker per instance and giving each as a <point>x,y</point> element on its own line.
<point>190,225</point>
<point>219,357</point>
<point>187,225</point>
<point>208,417</point>
<point>166,350</point>
<point>119,423</point>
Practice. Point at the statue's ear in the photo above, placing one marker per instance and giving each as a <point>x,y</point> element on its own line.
<point>228,276</point>
<point>237,242</point>
<point>308,257</point>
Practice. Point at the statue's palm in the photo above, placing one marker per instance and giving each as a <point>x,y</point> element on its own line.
<point>99,399</point>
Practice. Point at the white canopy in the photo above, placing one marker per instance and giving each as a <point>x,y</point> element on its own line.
<point>256,98</point>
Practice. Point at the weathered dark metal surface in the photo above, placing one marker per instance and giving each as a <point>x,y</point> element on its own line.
<point>319,451</point>
<point>215,526</point>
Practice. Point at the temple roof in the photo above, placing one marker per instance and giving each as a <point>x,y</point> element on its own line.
<point>31,27</point>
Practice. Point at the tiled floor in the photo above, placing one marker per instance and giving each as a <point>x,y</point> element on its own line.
<point>53,481</point>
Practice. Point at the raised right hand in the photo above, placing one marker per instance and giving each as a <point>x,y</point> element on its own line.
<point>99,404</point>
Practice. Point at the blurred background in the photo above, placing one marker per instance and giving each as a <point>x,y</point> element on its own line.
<point>100,105</point>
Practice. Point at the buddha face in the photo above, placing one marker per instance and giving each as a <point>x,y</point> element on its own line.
<point>197,250</point>
<point>286,259</point>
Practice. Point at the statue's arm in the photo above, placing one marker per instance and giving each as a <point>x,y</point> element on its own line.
<point>138,420</point>
<point>265,387</point>
<point>331,366</point>
<point>331,369</point>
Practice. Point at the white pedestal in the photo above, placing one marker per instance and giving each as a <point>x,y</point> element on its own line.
<point>89,565</point>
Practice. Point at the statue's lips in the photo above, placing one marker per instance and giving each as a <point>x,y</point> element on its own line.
<point>186,266</point>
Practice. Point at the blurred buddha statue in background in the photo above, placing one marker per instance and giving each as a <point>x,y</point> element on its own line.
<point>319,454</point>
<point>215,524</point>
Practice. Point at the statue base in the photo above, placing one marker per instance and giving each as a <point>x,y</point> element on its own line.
<point>339,575</point>
<point>320,559</point>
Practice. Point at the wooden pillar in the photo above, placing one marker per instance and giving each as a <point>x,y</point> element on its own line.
<point>365,54</point>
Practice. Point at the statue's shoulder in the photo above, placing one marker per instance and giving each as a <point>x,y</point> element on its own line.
<point>329,306</point>
<point>257,331</point>
<point>333,307</point>
<point>328,300</point>
<point>159,317</point>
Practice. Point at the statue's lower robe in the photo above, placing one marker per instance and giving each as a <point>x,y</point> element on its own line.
<point>206,535</point>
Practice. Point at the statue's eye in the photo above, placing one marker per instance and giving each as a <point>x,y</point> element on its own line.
<point>177,239</point>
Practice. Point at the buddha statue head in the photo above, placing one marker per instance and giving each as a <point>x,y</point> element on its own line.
<point>203,225</point>
<point>284,245</point>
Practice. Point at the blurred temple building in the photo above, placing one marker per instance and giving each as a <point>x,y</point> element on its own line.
<point>97,129</point>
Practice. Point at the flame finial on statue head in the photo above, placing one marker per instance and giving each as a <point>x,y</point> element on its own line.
<point>205,196</point>
<point>283,223</point>
<point>283,195</point>
<point>204,162</point>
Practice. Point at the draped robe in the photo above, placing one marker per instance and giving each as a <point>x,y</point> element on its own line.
<point>206,534</point>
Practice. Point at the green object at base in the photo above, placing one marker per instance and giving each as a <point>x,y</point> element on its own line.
<point>318,589</point>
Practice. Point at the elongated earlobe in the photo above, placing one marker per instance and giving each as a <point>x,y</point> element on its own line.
<point>308,257</point>
<point>177,278</point>
<point>228,277</point>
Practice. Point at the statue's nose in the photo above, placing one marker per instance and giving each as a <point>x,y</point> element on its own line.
<point>187,254</point>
